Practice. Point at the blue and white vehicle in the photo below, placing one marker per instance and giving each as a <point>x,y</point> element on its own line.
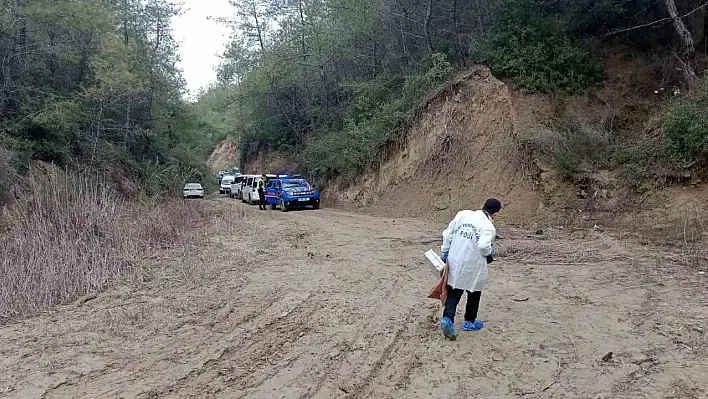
<point>289,192</point>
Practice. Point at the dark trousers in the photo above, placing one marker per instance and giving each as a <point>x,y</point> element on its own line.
<point>453,298</point>
<point>261,199</point>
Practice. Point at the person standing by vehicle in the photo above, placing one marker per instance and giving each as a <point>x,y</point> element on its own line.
<point>467,248</point>
<point>261,193</point>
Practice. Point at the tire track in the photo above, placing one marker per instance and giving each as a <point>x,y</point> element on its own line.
<point>253,357</point>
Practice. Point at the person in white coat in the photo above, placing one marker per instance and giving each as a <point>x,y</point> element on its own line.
<point>467,248</point>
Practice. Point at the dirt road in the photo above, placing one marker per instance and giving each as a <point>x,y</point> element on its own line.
<point>329,304</point>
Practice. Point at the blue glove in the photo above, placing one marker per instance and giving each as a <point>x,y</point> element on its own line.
<point>492,253</point>
<point>444,256</point>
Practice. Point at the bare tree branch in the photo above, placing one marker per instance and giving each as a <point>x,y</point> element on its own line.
<point>657,22</point>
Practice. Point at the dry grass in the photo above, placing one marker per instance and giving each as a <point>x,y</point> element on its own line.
<point>684,231</point>
<point>69,235</point>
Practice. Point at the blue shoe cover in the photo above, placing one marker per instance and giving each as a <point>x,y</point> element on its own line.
<point>472,326</point>
<point>448,328</point>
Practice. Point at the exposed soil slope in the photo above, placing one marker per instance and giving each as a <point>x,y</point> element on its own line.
<point>225,156</point>
<point>328,304</point>
<point>458,151</point>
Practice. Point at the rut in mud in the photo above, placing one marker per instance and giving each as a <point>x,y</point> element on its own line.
<point>330,304</point>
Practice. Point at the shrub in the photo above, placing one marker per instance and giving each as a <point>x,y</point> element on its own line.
<point>574,150</point>
<point>531,45</point>
<point>685,133</point>
<point>8,174</point>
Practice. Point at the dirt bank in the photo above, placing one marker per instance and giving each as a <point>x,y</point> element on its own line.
<point>329,304</point>
<point>458,151</point>
<point>225,156</point>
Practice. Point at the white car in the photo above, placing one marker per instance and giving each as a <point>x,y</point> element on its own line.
<point>225,186</point>
<point>193,190</point>
<point>249,192</point>
<point>235,189</point>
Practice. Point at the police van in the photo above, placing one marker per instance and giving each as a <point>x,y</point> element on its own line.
<point>289,192</point>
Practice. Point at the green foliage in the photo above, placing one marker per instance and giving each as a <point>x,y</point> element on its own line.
<point>378,112</point>
<point>8,174</point>
<point>685,132</point>
<point>531,45</point>
<point>575,150</point>
<point>92,84</point>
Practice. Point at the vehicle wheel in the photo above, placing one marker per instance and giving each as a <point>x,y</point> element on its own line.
<point>283,208</point>
<point>273,207</point>
<point>316,205</point>
<point>250,201</point>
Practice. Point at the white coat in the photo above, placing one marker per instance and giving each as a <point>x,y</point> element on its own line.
<point>468,238</point>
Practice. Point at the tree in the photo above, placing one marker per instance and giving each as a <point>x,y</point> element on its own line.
<point>91,84</point>
<point>688,52</point>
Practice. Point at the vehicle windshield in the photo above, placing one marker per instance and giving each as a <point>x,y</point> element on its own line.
<point>193,186</point>
<point>295,184</point>
<point>227,180</point>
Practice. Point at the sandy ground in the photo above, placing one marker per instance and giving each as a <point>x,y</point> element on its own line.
<point>329,304</point>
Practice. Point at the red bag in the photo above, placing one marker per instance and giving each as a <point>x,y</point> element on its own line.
<point>439,291</point>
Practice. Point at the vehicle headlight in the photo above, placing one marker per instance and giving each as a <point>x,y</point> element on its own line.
<point>291,193</point>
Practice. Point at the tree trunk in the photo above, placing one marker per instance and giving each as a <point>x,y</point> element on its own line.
<point>698,25</point>
<point>688,52</point>
<point>428,13</point>
<point>258,28</point>
<point>302,31</point>
<point>480,20</point>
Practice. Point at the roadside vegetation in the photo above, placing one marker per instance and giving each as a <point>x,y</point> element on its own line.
<point>677,152</point>
<point>92,85</point>
<point>68,236</point>
<point>94,141</point>
<point>336,82</point>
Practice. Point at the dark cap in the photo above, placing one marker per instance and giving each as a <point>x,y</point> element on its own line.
<point>492,206</point>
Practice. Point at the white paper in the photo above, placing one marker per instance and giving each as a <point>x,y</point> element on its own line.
<point>437,264</point>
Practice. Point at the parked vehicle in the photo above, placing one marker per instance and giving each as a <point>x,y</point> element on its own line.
<point>193,190</point>
<point>291,192</point>
<point>250,190</point>
<point>225,185</point>
<point>235,186</point>
<point>243,188</point>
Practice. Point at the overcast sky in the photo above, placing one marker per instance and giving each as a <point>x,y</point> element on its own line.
<point>201,40</point>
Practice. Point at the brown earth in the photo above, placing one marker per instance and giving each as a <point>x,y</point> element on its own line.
<point>270,162</point>
<point>224,157</point>
<point>458,151</point>
<point>330,304</point>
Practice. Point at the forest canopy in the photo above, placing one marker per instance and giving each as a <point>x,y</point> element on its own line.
<point>93,84</point>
